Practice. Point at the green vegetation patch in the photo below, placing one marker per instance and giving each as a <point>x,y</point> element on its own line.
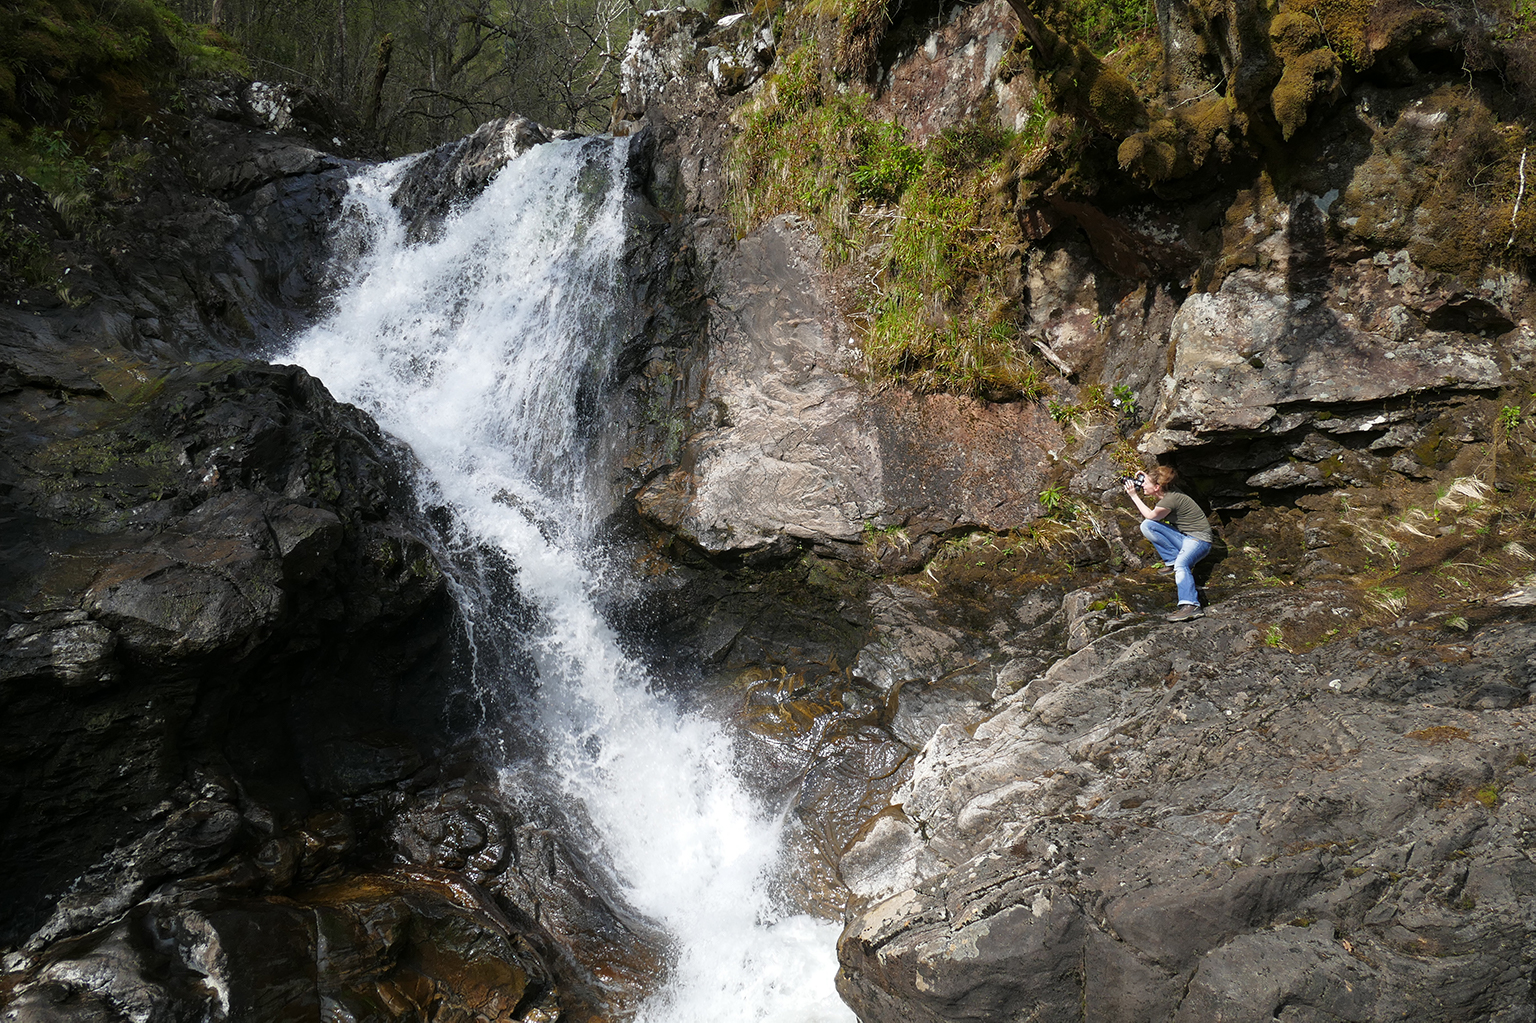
<point>87,65</point>
<point>1440,735</point>
<point>855,28</point>
<point>939,319</point>
<point>75,76</point>
<point>1107,25</point>
<point>921,223</point>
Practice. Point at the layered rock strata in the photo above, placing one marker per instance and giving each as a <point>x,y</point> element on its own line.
<point>1183,823</point>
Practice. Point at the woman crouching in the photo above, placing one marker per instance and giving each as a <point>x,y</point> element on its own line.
<point>1178,530</point>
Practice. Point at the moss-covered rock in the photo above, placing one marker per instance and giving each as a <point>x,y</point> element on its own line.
<point>1308,78</point>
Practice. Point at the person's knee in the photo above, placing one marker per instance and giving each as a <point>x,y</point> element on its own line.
<point>1148,529</point>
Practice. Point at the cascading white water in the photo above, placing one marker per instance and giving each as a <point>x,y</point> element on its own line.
<point>474,349</point>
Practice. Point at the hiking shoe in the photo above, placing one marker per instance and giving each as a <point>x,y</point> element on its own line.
<point>1186,612</point>
<point>1165,570</point>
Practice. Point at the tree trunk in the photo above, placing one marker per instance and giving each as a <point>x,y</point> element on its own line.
<point>380,72</point>
<point>342,92</point>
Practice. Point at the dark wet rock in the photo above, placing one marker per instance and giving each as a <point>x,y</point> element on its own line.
<point>224,568</point>
<point>454,173</point>
<point>403,942</point>
<point>219,248</point>
<point>280,108</point>
<point>225,161</point>
<point>219,612</point>
<point>224,639</point>
<point>593,940</point>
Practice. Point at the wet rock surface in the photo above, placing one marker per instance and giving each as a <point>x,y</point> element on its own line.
<point>223,640</point>
<point>453,174</point>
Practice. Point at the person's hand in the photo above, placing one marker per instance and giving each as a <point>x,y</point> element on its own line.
<point>1130,487</point>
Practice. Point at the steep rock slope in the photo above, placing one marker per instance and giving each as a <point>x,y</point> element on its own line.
<point>1183,823</point>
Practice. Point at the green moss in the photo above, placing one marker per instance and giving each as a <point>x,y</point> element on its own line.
<point>1436,449</point>
<point>1343,25</point>
<point>1152,155</point>
<point>1106,25</point>
<point>1307,78</point>
<point>1085,87</point>
<point>1181,143</point>
<point>1293,34</point>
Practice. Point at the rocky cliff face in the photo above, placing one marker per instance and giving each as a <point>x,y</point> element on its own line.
<point>1290,329</point>
<point>1309,804</point>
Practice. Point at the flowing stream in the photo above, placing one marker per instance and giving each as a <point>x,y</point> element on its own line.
<point>482,350</point>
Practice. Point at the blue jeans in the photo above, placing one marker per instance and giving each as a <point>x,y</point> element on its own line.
<point>1181,552</point>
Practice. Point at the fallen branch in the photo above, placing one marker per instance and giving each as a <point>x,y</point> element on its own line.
<point>1518,196</point>
<point>1051,357</point>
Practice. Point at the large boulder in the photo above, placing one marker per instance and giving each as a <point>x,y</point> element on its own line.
<point>222,569</point>
<point>790,448</point>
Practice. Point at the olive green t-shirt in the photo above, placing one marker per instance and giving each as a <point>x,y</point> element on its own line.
<point>1185,515</point>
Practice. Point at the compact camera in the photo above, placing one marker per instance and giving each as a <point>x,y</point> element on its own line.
<point>1140,479</point>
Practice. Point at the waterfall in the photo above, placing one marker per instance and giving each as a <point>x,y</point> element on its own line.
<point>481,350</point>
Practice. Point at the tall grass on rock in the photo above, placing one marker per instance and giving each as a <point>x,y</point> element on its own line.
<point>915,226</point>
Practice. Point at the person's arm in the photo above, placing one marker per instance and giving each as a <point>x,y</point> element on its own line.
<point>1156,513</point>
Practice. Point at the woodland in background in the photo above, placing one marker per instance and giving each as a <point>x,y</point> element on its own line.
<point>420,72</point>
<point>77,75</point>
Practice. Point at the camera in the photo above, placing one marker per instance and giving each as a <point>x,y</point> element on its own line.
<point>1140,479</point>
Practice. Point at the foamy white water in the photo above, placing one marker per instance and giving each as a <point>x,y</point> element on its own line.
<point>476,350</point>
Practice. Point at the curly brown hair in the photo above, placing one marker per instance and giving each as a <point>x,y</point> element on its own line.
<point>1162,475</point>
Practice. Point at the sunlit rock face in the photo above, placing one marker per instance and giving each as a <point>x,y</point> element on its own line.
<point>679,45</point>
<point>1159,819</point>
<point>793,449</point>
